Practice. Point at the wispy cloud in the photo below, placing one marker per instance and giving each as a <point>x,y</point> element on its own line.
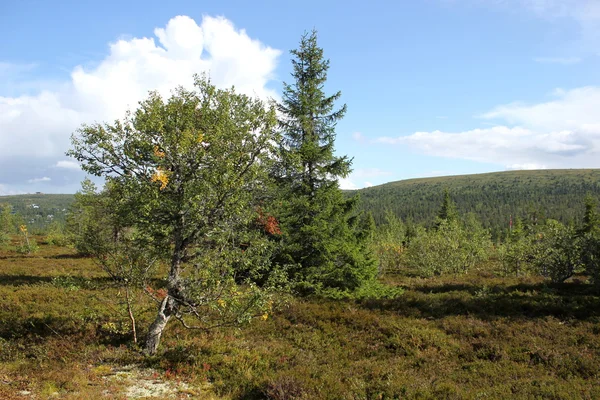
<point>563,133</point>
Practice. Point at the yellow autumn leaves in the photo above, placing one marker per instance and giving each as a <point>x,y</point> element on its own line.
<point>158,152</point>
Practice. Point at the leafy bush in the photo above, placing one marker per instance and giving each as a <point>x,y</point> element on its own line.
<point>590,255</point>
<point>4,238</point>
<point>557,254</point>
<point>388,243</point>
<point>451,248</point>
<point>28,245</point>
<point>516,254</point>
<point>56,235</point>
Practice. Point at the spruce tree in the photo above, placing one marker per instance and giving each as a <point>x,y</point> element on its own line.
<point>590,217</point>
<point>447,211</point>
<point>322,243</point>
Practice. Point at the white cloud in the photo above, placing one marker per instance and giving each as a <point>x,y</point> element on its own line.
<point>558,60</point>
<point>368,184</point>
<point>39,180</point>
<point>346,184</point>
<point>68,165</point>
<point>39,126</point>
<point>563,133</point>
<point>571,110</point>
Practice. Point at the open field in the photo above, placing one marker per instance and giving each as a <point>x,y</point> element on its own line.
<point>63,334</point>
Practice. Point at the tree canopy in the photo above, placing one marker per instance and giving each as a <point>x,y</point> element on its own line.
<point>189,172</point>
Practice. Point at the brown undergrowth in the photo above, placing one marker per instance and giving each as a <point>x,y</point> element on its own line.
<point>63,335</point>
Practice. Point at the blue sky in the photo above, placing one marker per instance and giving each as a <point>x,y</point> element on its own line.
<point>433,87</point>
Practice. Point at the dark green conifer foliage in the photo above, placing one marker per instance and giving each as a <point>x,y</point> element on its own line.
<point>323,245</point>
<point>591,220</point>
<point>448,210</point>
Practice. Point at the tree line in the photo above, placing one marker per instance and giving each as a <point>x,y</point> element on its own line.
<point>493,197</point>
<point>455,243</point>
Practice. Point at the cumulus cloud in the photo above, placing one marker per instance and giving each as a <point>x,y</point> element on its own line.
<point>39,126</point>
<point>563,133</point>
<point>347,184</point>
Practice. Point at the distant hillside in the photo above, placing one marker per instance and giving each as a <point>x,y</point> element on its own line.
<point>39,210</point>
<point>493,196</point>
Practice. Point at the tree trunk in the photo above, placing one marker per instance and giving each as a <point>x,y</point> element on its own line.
<point>165,311</point>
<point>130,312</point>
<point>170,304</point>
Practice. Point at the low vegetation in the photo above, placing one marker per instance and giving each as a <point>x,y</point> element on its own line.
<point>65,334</point>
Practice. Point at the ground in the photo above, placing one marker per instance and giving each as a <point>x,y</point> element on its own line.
<point>64,334</point>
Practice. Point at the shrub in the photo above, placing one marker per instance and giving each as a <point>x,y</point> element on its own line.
<point>388,243</point>
<point>590,255</point>
<point>28,245</point>
<point>56,235</point>
<point>556,251</point>
<point>4,238</point>
<point>450,248</point>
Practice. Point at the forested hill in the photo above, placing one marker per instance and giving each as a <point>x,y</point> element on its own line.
<point>39,210</point>
<point>492,196</point>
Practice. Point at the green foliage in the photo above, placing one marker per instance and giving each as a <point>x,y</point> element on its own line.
<point>388,243</point>
<point>589,240</point>
<point>453,336</point>
<point>556,251</point>
<point>493,197</point>
<point>591,219</point>
<point>38,211</point>
<point>448,210</point>
<point>27,244</point>
<point>453,247</point>
<point>186,175</point>
<point>516,253</point>
<point>323,245</point>
<point>6,223</point>
<point>590,255</point>
<point>91,222</point>
<point>56,235</point>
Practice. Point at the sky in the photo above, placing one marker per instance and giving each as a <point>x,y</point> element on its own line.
<point>433,87</point>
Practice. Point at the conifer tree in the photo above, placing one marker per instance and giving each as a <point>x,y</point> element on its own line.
<point>590,217</point>
<point>448,210</point>
<point>322,245</point>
